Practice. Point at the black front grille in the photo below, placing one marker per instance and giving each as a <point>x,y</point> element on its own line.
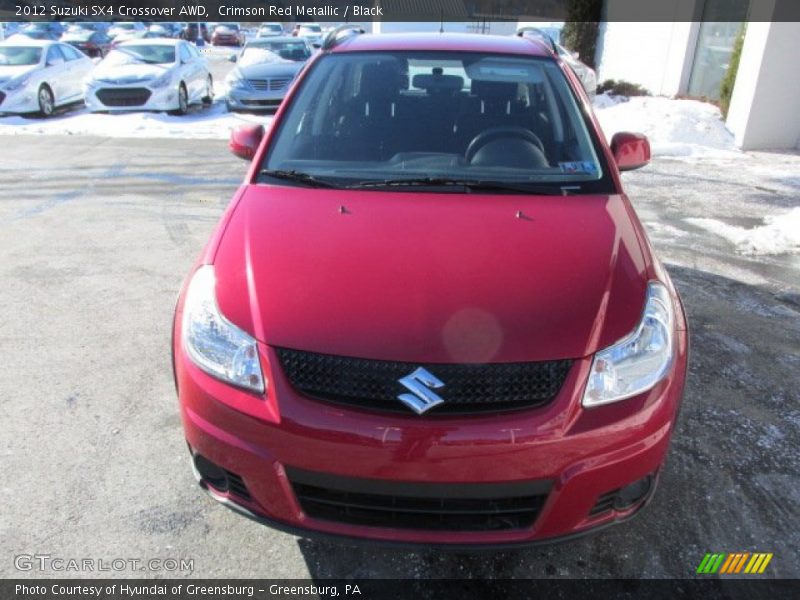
<point>604,503</point>
<point>403,505</point>
<point>237,486</point>
<point>123,96</point>
<point>468,388</point>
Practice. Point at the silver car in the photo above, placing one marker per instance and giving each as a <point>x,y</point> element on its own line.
<point>264,70</point>
<point>40,75</point>
<point>550,36</point>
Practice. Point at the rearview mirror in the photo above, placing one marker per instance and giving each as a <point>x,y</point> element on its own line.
<point>245,140</point>
<point>630,150</point>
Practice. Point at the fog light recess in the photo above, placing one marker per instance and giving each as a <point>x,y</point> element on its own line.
<point>633,494</point>
<point>212,474</point>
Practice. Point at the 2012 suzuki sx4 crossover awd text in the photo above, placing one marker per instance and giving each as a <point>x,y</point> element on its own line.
<point>430,314</point>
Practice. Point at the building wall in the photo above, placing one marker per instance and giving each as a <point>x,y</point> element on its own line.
<point>765,105</point>
<point>657,56</point>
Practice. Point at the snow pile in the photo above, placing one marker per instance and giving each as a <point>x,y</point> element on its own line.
<point>206,123</point>
<point>780,234</point>
<point>675,128</point>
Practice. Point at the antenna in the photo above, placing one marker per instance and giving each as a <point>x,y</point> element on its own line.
<point>441,20</point>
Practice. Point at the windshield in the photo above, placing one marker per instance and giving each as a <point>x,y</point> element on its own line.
<point>367,118</point>
<point>258,52</point>
<point>17,56</point>
<point>151,54</point>
<point>270,28</point>
<point>310,29</point>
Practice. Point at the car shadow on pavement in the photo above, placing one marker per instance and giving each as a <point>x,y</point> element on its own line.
<point>729,483</point>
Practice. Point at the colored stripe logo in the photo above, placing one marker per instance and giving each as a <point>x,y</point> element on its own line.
<point>734,563</point>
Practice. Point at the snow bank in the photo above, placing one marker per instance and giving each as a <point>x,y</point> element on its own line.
<point>780,234</point>
<point>675,128</point>
<point>210,123</point>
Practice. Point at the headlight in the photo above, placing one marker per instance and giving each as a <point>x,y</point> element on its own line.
<point>15,84</point>
<point>237,83</point>
<point>213,343</point>
<point>639,361</point>
<point>161,80</point>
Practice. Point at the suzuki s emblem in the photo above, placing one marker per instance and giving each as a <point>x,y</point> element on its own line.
<point>422,383</point>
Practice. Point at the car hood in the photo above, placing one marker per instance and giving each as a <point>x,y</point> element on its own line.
<point>271,69</point>
<point>428,277</point>
<point>129,73</point>
<point>8,72</point>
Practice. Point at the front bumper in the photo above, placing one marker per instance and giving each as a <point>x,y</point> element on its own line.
<point>130,97</point>
<point>576,456</point>
<point>19,101</point>
<point>242,99</point>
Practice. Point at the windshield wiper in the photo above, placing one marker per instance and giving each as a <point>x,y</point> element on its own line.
<point>472,185</point>
<point>299,177</point>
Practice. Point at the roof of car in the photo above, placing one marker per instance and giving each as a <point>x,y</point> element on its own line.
<point>460,42</point>
<point>272,40</point>
<point>150,42</point>
<point>20,40</point>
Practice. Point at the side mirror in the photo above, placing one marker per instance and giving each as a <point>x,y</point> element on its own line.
<point>575,55</point>
<point>245,140</point>
<point>630,150</point>
<point>232,58</point>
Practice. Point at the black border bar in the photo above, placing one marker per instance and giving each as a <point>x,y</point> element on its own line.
<point>338,11</point>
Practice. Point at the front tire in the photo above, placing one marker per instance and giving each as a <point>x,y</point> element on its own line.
<point>47,103</point>
<point>183,101</point>
<point>209,97</point>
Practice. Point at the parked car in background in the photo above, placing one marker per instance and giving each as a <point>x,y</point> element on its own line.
<point>94,44</point>
<point>583,72</point>
<point>128,29</point>
<point>158,74</point>
<point>270,30</point>
<point>311,32</point>
<point>40,75</point>
<point>7,29</point>
<point>93,25</point>
<point>472,342</point>
<point>264,70</point>
<point>42,31</point>
<point>227,34</point>
<point>161,30</point>
<point>190,33</point>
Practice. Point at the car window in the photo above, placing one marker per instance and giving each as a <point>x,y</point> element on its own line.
<point>373,116</point>
<point>145,53</point>
<point>17,56</point>
<point>70,53</point>
<point>185,55</point>
<point>266,51</point>
<point>54,53</point>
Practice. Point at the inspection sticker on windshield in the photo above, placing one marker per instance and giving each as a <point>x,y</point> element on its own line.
<point>580,166</point>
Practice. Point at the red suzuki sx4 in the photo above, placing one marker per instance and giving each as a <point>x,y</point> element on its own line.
<point>430,315</point>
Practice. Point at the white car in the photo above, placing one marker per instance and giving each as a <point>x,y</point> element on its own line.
<point>312,32</point>
<point>150,74</point>
<point>131,29</point>
<point>270,30</point>
<point>40,75</point>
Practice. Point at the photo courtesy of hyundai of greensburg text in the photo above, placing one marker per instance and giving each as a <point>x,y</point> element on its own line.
<point>400,299</point>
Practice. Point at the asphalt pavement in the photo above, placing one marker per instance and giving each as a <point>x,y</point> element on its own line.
<point>97,235</point>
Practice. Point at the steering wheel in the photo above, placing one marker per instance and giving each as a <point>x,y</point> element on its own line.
<point>484,137</point>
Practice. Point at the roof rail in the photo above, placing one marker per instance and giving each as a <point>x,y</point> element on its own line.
<point>536,33</point>
<point>341,33</point>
